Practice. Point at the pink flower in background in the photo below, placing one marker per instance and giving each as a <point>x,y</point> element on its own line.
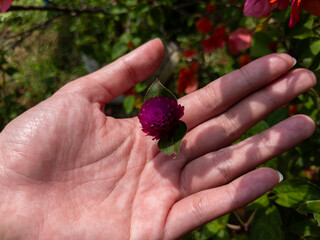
<point>262,8</point>
<point>257,8</point>
<point>295,11</point>
<point>239,40</point>
<point>5,4</point>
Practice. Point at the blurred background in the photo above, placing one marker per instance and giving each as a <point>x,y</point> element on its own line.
<point>45,44</point>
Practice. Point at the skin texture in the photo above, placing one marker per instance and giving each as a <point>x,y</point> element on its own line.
<point>67,171</point>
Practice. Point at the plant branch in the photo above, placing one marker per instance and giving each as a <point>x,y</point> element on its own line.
<point>22,36</point>
<point>67,10</point>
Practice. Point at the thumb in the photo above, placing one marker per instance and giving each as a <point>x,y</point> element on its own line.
<point>117,77</point>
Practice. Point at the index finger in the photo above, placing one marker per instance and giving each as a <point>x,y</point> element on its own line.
<point>222,93</point>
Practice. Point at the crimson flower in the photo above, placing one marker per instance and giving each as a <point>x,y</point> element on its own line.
<point>211,8</point>
<point>189,53</point>
<point>216,40</point>
<point>5,4</point>
<point>187,82</point>
<point>130,45</point>
<point>244,60</point>
<point>159,116</point>
<point>194,67</point>
<point>203,25</point>
<point>239,40</point>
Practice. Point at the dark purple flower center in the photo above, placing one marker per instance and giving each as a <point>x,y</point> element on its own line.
<point>159,116</point>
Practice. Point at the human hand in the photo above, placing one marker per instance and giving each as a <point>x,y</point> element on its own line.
<point>67,171</point>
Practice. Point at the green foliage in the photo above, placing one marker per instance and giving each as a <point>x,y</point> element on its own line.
<point>172,145</point>
<point>128,104</point>
<point>267,224</point>
<point>311,207</point>
<point>293,192</point>
<point>43,50</point>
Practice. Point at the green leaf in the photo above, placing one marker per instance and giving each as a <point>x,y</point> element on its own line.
<point>240,237</point>
<point>317,218</point>
<point>140,87</point>
<point>310,207</point>
<point>261,202</point>
<point>10,71</point>
<point>291,193</point>
<point>172,145</point>
<point>267,225</point>
<point>216,229</point>
<point>306,228</point>
<point>277,116</point>
<point>118,50</point>
<point>315,47</point>
<point>303,29</point>
<point>157,89</point>
<point>118,9</point>
<point>260,44</point>
<point>128,104</point>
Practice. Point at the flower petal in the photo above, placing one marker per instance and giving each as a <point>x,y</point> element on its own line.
<point>257,8</point>
<point>295,11</point>
<point>311,6</point>
<point>5,4</point>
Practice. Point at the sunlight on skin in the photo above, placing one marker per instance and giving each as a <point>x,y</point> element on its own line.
<point>69,172</point>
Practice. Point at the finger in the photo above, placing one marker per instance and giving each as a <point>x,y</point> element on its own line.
<point>229,126</point>
<point>222,93</point>
<point>218,168</point>
<point>202,207</point>
<point>119,76</point>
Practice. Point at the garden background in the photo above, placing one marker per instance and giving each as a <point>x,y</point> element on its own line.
<point>45,44</point>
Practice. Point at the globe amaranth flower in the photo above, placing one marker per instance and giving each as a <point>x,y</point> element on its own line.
<point>159,116</point>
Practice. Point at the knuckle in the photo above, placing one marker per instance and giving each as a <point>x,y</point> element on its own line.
<point>205,99</point>
<point>197,207</point>
<point>231,126</point>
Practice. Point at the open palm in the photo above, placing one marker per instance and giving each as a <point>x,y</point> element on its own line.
<point>67,171</point>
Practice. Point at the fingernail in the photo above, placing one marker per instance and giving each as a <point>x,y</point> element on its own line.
<point>294,61</point>
<point>280,176</point>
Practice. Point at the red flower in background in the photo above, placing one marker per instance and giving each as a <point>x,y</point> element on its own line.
<point>211,8</point>
<point>239,40</point>
<point>189,53</point>
<point>5,4</point>
<point>244,60</point>
<point>130,45</point>
<point>293,109</point>
<point>273,47</point>
<point>216,40</point>
<point>194,67</point>
<point>280,4</point>
<point>187,82</point>
<point>203,25</point>
<point>295,11</point>
<point>311,6</point>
